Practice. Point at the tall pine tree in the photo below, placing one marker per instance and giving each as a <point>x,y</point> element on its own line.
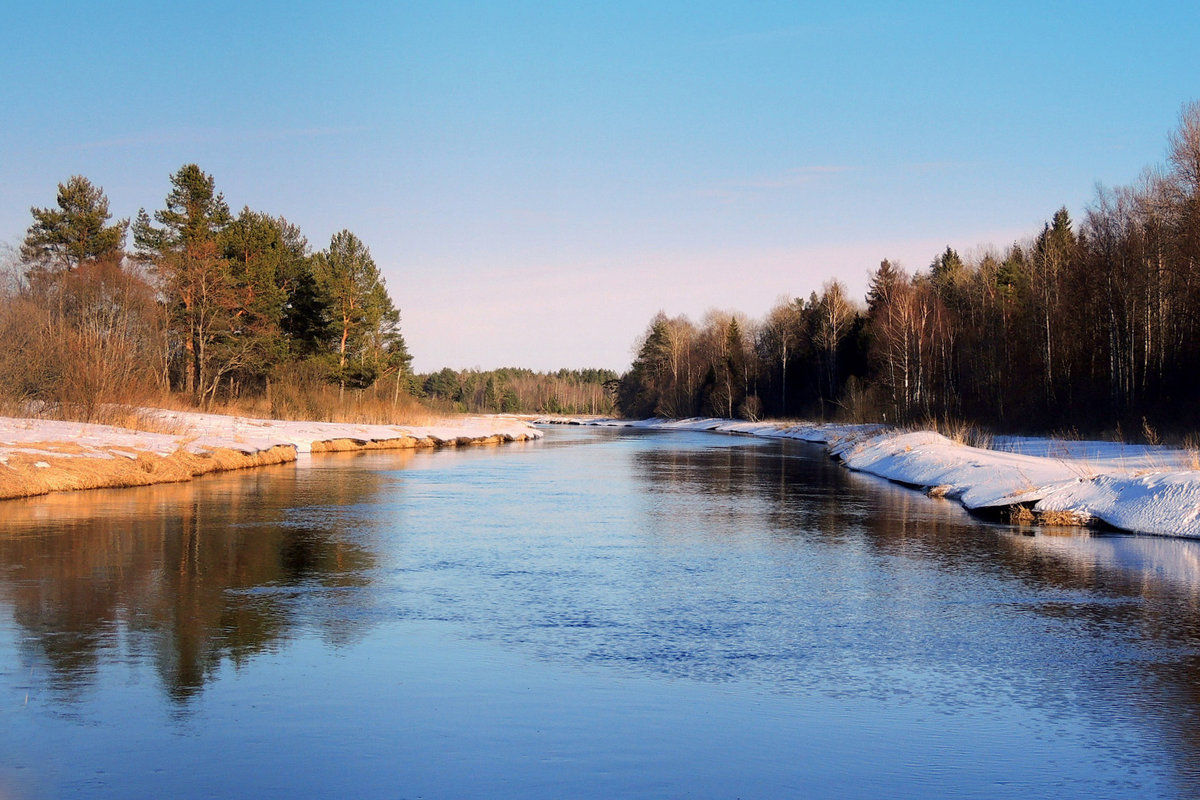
<point>77,231</point>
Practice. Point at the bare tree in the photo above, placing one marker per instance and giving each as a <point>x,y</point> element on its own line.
<point>835,313</point>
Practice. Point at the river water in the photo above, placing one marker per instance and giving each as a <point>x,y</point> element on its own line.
<point>600,614</point>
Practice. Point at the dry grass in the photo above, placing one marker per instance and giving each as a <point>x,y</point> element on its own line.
<point>956,430</point>
<point>1020,515</point>
<point>317,401</point>
<point>143,419</point>
<point>347,445</point>
<point>1024,515</point>
<point>26,475</point>
<point>1064,518</point>
<point>1191,447</point>
<point>1150,434</point>
<point>312,403</point>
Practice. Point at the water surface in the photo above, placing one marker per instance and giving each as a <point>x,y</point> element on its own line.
<point>603,613</point>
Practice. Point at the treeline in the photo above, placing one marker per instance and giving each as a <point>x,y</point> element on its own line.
<point>513,390</point>
<point>210,304</point>
<point>1093,324</point>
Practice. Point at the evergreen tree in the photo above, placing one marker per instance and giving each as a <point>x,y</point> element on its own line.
<point>254,247</point>
<point>882,286</point>
<point>77,231</point>
<point>196,277</point>
<point>194,216</point>
<point>305,318</point>
<point>641,389</point>
<point>1052,253</point>
<point>364,324</point>
<point>443,385</point>
<point>946,273</point>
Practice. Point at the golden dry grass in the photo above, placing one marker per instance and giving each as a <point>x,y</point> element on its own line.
<point>26,475</point>
<point>1024,515</point>
<point>297,400</point>
<point>956,430</point>
<point>64,466</point>
<point>1063,518</point>
<point>347,445</point>
<point>1020,515</point>
<point>318,401</point>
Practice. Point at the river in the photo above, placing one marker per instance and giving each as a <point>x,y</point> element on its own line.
<point>602,613</point>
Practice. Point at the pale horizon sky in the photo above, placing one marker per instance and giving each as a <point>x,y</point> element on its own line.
<point>536,180</point>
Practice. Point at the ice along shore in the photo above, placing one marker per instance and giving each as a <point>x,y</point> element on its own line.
<point>39,456</point>
<point>1135,488</point>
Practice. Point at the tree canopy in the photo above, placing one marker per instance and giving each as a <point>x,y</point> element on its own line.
<point>1090,323</point>
<point>76,231</point>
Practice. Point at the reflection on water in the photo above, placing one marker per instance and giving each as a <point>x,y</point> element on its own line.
<point>183,576</point>
<point>603,613</point>
<point>1119,615</point>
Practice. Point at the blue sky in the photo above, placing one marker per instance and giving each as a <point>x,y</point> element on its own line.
<point>536,180</point>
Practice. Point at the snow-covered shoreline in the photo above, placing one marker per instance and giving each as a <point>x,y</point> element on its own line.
<point>1135,488</point>
<point>38,456</point>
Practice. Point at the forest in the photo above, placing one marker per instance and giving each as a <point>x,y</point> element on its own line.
<point>238,313</point>
<point>516,390</point>
<point>1090,325</point>
<point>208,306</point>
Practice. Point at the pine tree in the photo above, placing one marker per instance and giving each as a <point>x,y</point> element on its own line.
<point>77,231</point>
<point>254,246</point>
<point>196,277</point>
<point>364,323</point>
<point>641,389</point>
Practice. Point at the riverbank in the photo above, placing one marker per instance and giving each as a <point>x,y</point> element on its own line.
<point>38,456</point>
<point>1135,488</point>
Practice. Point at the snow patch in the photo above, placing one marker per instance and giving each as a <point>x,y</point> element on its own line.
<point>1137,488</point>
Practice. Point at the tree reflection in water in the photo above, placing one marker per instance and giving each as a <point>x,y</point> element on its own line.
<point>186,576</point>
<point>1099,623</point>
<point>770,612</point>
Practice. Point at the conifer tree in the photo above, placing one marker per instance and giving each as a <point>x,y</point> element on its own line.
<point>77,231</point>
<point>184,249</point>
<point>364,324</point>
<point>259,261</point>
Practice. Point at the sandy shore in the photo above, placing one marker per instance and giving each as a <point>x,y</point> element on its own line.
<point>39,456</point>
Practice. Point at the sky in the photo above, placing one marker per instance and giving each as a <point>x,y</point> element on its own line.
<point>537,180</point>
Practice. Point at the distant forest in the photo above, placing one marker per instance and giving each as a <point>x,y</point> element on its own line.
<point>1094,325</point>
<point>515,390</point>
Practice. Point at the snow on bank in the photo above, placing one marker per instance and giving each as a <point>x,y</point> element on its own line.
<point>217,430</point>
<point>39,456</point>
<point>1135,488</point>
